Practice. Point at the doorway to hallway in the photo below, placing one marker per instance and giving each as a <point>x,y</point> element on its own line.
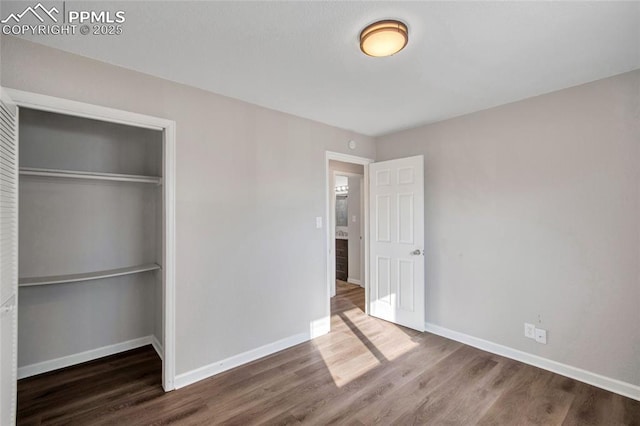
<point>346,223</point>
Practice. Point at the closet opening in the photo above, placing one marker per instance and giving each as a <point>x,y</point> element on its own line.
<point>94,239</point>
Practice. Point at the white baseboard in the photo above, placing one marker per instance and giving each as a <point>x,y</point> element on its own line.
<point>66,361</point>
<point>617,386</point>
<point>354,281</point>
<point>214,368</point>
<point>319,327</point>
<point>157,346</point>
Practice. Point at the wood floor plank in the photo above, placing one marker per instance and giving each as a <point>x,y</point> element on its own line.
<point>593,406</point>
<point>365,372</point>
<point>534,399</point>
<point>467,396</point>
<point>414,393</point>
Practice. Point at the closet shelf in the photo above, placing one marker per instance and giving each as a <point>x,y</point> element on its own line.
<point>88,276</point>
<point>72,174</point>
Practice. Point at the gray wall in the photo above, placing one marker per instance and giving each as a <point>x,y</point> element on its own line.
<point>250,182</point>
<point>57,141</point>
<point>66,319</point>
<point>533,214</point>
<point>82,226</point>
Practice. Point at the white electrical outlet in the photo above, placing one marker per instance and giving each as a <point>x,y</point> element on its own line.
<point>529,330</point>
<point>541,336</point>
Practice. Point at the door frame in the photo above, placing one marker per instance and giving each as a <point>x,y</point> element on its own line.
<point>330,247</point>
<point>168,127</point>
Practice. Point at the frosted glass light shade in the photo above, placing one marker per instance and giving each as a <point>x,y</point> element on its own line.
<point>384,38</point>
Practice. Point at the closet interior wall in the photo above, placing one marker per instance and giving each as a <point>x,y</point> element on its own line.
<point>92,221</point>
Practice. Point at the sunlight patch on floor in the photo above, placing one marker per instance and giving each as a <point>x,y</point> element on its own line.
<point>362,336</point>
<point>402,342</point>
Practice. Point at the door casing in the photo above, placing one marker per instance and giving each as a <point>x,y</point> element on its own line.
<point>330,220</point>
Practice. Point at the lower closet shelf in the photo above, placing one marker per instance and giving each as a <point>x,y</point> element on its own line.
<point>87,276</point>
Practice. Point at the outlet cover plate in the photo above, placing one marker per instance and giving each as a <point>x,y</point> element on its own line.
<point>541,336</point>
<point>529,330</point>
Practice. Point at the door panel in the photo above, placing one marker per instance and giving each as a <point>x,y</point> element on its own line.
<point>405,218</point>
<point>383,218</point>
<point>8,259</point>
<point>383,280</point>
<point>406,285</point>
<point>396,254</point>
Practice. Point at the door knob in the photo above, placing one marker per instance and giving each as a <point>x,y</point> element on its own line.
<point>416,252</point>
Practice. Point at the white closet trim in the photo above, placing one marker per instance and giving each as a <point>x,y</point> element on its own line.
<point>81,109</point>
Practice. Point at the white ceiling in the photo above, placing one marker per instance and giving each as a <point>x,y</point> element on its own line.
<point>303,57</point>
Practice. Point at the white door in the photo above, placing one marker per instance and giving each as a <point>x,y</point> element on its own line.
<point>396,235</point>
<point>8,259</point>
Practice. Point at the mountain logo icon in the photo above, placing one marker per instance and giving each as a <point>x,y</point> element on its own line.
<point>33,11</point>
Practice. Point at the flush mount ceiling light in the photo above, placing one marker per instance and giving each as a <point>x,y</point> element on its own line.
<point>384,38</point>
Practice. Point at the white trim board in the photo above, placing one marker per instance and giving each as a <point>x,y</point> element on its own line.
<point>613,385</point>
<point>218,367</point>
<point>90,355</point>
<point>319,327</point>
<point>354,281</point>
<point>81,109</point>
<point>157,346</point>
<point>169,256</point>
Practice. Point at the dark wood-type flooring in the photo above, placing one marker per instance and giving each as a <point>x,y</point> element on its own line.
<point>366,371</point>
